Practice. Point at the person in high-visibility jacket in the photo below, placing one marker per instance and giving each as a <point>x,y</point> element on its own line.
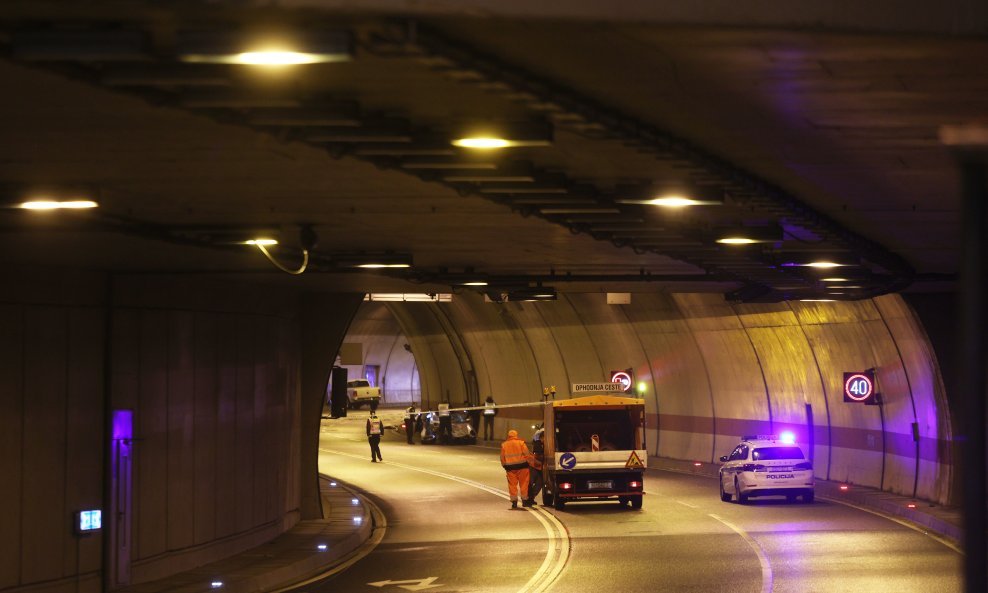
<point>375,428</point>
<point>514,459</point>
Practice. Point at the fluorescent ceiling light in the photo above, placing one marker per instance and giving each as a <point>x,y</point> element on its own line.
<point>736,241</point>
<point>260,241</point>
<point>371,266</point>
<point>817,300</point>
<point>57,205</point>
<point>835,279</point>
<point>431,297</point>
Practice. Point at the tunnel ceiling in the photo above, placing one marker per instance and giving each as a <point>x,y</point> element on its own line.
<point>822,143</point>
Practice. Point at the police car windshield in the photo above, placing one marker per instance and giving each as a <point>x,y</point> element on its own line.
<point>770,453</point>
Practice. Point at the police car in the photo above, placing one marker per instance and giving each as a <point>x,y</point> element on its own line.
<point>766,465</point>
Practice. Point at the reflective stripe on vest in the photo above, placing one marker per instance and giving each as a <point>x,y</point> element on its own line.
<point>490,409</point>
<point>375,427</point>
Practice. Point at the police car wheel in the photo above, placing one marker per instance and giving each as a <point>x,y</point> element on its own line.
<point>790,498</point>
<point>636,502</point>
<point>724,496</point>
<point>808,497</point>
<point>742,498</point>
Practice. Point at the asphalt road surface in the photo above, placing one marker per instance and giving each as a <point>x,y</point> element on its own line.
<point>449,528</point>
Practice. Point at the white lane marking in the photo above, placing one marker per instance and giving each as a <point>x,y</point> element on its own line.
<point>935,537</point>
<point>559,543</point>
<point>380,527</point>
<point>762,558</point>
<point>686,504</point>
<point>420,584</point>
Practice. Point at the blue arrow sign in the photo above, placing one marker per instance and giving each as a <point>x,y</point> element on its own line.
<point>567,461</point>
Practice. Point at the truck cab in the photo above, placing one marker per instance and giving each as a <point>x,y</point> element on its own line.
<point>594,450</point>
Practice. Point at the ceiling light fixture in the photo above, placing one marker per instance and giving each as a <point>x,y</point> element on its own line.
<point>297,49</point>
<point>673,198</point>
<point>538,293</point>
<point>816,261</point>
<point>57,205</point>
<point>749,235</point>
<point>373,261</point>
<point>505,135</point>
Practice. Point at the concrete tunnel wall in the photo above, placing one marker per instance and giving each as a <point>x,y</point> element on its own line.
<point>212,373</point>
<point>713,371</point>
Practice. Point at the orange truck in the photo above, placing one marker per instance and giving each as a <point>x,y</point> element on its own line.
<point>594,450</point>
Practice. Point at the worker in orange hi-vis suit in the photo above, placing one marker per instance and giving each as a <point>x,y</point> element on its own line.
<point>514,460</point>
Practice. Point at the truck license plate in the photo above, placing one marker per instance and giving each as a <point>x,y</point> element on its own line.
<point>601,485</point>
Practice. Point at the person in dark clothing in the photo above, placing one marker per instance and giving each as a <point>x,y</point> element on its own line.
<point>411,421</point>
<point>535,464</point>
<point>489,412</point>
<point>375,428</point>
<point>445,424</point>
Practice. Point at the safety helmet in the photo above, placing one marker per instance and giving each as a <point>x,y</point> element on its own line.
<point>512,433</point>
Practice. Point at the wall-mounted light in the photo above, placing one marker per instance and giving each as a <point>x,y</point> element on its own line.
<point>493,136</point>
<point>296,48</point>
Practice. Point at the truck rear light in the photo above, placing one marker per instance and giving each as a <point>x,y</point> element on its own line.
<point>565,486</point>
<point>634,484</point>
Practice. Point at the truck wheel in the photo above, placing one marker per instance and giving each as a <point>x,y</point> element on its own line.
<point>546,498</point>
<point>636,501</point>
<point>558,504</point>
<point>622,500</point>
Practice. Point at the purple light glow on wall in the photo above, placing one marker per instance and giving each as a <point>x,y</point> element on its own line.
<point>123,424</point>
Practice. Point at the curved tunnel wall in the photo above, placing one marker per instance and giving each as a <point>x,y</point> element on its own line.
<point>714,371</point>
<point>383,345</point>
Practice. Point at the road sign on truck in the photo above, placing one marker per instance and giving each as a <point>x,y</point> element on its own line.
<point>594,450</point>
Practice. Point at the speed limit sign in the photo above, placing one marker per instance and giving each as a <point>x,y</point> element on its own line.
<point>859,387</point>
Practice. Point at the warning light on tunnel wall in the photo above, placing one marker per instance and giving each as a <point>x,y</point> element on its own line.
<point>859,387</point>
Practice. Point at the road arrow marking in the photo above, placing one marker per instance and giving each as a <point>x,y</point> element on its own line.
<point>420,584</point>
